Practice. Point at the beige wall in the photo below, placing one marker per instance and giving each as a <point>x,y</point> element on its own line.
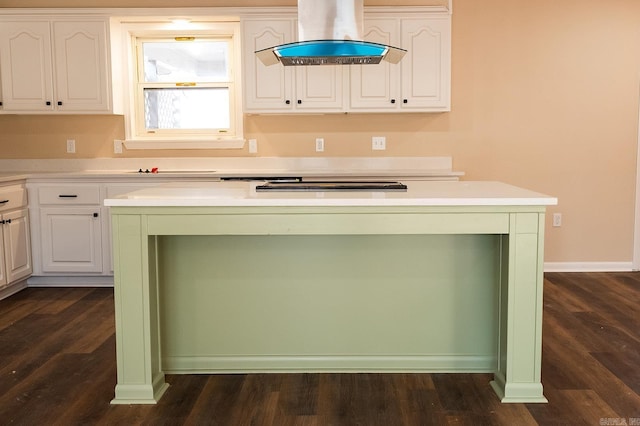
<point>545,96</point>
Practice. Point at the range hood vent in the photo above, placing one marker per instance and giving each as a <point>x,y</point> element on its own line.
<point>329,33</point>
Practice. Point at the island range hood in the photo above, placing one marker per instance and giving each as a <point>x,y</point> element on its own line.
<point>329,33</point>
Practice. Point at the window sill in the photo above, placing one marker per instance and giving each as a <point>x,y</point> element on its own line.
<point>185,144</point>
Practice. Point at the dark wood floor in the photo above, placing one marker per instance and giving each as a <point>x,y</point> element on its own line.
<point>57,366</point>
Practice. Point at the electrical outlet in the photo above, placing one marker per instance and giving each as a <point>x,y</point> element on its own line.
<point>253,146</point>
<point>117,146</point>
<point>557,219</point>
<point>378,143</point>
<point>319,144</point>
<point>71,146</point>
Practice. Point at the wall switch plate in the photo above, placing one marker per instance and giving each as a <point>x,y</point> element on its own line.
<point>378,143</point>
<point>557,219</point>
<point>319,144</point>
<point>71,146</point>
<point>253,146</point>
<point>117,146</point>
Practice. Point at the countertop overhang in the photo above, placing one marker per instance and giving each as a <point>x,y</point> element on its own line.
<point>419,193</point>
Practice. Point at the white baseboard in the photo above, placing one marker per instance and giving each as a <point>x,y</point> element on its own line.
<point>13,289</point>
<point>66,281</point>
<point>588,266</point>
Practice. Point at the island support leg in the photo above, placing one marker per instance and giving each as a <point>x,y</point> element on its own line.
<point>518,376</point>
<point>140,379</point>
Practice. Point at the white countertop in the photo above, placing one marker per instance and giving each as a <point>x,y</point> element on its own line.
<point>217,167</point>
<point>419,193</point>
<point>206,169</point>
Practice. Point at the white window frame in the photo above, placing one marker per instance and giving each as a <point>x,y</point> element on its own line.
<point>124,63</point>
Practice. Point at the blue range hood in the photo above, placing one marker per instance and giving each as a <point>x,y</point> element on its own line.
<point>329,33</point>
<point>330,52</point>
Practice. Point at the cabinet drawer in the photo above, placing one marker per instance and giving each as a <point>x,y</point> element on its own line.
<point>69,194</point>
<point>12,197</point>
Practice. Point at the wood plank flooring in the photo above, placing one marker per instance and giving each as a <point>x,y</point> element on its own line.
<point>57,367</point>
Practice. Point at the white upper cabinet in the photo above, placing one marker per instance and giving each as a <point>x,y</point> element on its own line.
<point>25,61</point>
<point>377,86</point>
<point>426,68</point>
<point>421,82</point>
<point>266,88</point>
<point>52,65</point>
<point>279,89</point>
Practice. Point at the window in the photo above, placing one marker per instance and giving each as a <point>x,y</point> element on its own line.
<point>183,86</point>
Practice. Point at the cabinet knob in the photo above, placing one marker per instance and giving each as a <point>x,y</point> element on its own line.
<point>6,221</point>
<point>59,102</point>
<point>0,103</point>
<point>393,101</point>
<point>405,101</point>
<point>1,222</point>
<point>48,103</point>
<point>299,101</point>
<point>287,102</point>
<point>95,215</point>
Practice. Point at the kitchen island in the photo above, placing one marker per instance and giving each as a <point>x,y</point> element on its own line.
<point>215,277</point>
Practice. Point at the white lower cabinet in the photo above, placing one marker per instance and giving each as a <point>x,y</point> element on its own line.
<point>71,235</point>
<point>15,247</point>
<point>71,239</point>
<point>66,220</point>
<point>15,239</point>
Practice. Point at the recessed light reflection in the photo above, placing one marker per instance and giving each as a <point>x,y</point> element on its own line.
<point>181,22</point>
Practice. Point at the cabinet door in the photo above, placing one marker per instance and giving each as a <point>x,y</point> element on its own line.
<point>3,270</point>
<point>81,66</point>
<point>71,239</point>
<point>17,245</point>
<point>426,67</point>
<point>377,87</point>
<point>319,87</point>
<point>267,88</point>
<point>1,100</point>
<point>25,66</point>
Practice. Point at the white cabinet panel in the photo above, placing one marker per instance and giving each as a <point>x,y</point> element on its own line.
<point>377,86</point>
<point>25,59</point>
<point>68,195</point>
<point>71,227</point>
<point>266,87</point>
<point>421,82</point>
<point>81,65</point>
<point>71,239</point>
<point>3,269</point>
<point>319,87</point>
<point>426,69</point>
<point>15,238</point>
<point>280,89</point>
<point>17,245</point>
<point>54,65</point>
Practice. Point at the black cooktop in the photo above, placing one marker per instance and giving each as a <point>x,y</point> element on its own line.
<point>333,186</point>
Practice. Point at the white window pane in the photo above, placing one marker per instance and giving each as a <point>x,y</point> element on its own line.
<point>187,108</point>
<point>185,61</point>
